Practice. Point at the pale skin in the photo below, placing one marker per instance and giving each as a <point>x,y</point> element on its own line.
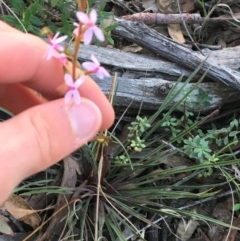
<point>44,130</point>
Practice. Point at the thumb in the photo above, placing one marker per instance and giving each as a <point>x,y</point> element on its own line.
<point>41,136</point>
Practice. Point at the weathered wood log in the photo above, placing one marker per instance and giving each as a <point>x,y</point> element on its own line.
<point>135,65</point>
<point>144,64</point>
<point>150,91</point>
<point>159,44</point>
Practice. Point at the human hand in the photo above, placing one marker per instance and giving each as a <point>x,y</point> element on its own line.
<point>43,130</point>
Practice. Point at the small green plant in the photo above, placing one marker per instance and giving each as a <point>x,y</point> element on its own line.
<point>134,141</point>
<point>122,159</point>
<point>197,148</point>
<point>105,25</point>
<point>196,143</point>
<point>176,126</point>
<point>237,207</point>
<point>202,3</point>
<point>25,17</point>
<point>204,98</point>
<point>32,15</point>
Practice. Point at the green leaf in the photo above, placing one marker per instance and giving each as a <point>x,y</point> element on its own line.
<point>36,21</point>
<point>54,3</point>
<point>104,15</point>
<point>234,123</point>
<point>91,2</point>
<point>102,6</point>
<point>233,133</point>
<point>27,17</point>
<point>18,5</point>
<point>235,140</point>
<point>117,231</point>
<point>34,7</point>
<point>225,140</point>
<point>236,207</point>
<point>11,20</point>
<point>219,142</point>
<point>110,27</point>
<point>5,228</point>
<point>84,207</point>
<point>110,231</point>
<point>36,31</point>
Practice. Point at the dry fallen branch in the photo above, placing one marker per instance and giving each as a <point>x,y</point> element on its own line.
<point>160,18</point>
<point>155,42</point>
<point>152,92</point>
<point>136,65</point>
<point>164,74</point>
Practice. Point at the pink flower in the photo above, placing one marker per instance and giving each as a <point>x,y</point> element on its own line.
<point>55,45</point>
<point>94,67</point>
<point>62,57</point>
<point>76,30</point>
<point>89,22</point>
<point>73,88</point>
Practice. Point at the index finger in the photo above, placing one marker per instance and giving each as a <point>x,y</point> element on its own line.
<point>22,60</point>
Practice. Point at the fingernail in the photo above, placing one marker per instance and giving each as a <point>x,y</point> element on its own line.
<point>85,119</point>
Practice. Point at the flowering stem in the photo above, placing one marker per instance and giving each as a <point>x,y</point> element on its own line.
<point>76,48</point>
<point>83,5</point>
<point>77,42</point>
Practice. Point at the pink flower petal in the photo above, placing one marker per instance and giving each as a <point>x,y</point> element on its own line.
<point>94,60</point>
<point>62,57</point>
<point>104,71</point>
<point>93,16</point>
<point>99,34</point>
<point>100,75</point>
<point>68,80</point>
<point>88,36</point>
<point>89,66</point>
<point>76,97</point>
<point>79,81</point>
<point>50,52</point>
<point>55,45</point>
<point>60,39</point>
<point>76,31</point>
<point>55,36</point>
<point>59,48</point>
<point>68,96</point>
<point>82,17</point>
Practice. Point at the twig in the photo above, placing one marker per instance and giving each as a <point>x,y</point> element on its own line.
<point>160,18</point>
<point>211,47</point>
<point>226,113</point>
<point>8,215</point>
